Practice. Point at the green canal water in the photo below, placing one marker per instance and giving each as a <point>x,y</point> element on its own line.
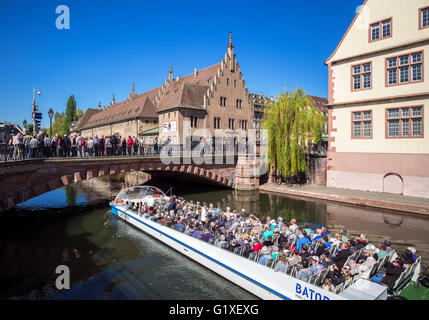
<point>109,259</point>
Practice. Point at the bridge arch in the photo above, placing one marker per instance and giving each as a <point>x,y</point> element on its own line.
<point>23,180</point>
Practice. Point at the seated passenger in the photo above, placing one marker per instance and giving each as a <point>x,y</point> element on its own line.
<point>281,262</point>
<point>268,242</point>
<point>301,240</point>
<point>315,265</point>
<point>180,226</point>
<point>342,256</point>
<point>304,252</point>
<point>264,255</point>
<point>295,258</point>
<point>304,273</point>
<point>327,285</point>
<point>393,271</point>
<point>247,250</point>
<point>382,253</point>
<point>234,244</point>
<point>335,275</point>
<point>357,267</point>
<point>274,252</point>
<point>221,241</point>
<point>256,245</point>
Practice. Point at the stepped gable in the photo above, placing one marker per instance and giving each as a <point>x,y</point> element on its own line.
<point>140,105</point>
<point>188,91</point>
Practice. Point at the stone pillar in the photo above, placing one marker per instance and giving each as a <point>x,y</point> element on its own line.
<point>246,174</point>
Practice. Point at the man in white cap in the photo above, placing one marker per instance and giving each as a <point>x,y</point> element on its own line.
<point>315,265</point>
<point>264,255</point>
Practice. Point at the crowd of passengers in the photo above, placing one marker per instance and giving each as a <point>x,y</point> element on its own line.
<point>288,243</point>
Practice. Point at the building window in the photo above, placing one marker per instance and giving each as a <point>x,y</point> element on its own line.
<point>231,124</point>
<point>424,18</point>
<point>362,124</point>
<point>242,124</point>
<point>380,30</point>
<point>217,123</point>
<point>235,83</point>
<point>404,69</point>
<point>194,121</point>
<point>404,122</point>
<point>362,76</point>
<point>238,104</point>
<point>223,101</point>
<point>227,81</point>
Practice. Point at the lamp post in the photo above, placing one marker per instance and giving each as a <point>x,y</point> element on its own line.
<point>50,114</point>
<point>24,123</point>
<point>35,108</point>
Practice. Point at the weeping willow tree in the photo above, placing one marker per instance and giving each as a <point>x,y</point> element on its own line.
<point>289,121</point>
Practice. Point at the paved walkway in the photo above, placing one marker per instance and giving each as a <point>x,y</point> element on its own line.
<point>372,199</point>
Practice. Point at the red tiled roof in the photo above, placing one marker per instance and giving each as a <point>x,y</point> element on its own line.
<point>140,105</point>
<point>188,91</point>
<point>319,103</point>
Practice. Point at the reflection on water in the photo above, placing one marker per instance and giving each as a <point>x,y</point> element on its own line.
<point>109,259</point>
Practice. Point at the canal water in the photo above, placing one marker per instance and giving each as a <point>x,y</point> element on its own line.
<point>109,259</point>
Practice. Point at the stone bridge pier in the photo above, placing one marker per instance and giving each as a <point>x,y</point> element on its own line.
<point>23,180</point>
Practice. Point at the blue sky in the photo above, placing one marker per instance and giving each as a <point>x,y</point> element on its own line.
<point>112,43</point>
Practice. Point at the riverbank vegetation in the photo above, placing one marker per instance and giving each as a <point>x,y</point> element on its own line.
<point>289,121</point>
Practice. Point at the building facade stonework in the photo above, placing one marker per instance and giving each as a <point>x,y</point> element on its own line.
<point>379,100</point>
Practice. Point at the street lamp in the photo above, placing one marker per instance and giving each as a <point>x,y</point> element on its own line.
<point>24,123</point>
<point>34,109</point>
<point>50,114</point>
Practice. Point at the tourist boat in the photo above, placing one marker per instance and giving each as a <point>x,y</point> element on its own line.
<point>257,279</point>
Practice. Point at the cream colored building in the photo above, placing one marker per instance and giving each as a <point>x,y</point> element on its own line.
<point>379,100</point>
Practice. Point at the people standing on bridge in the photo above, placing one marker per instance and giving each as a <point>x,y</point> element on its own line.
<point>96,143</point>
<point>124,146</point>
<point>90,147</point>
<point>101,146</point>
<point>33,147</point>
<point>65,145</point>
<point>27,140</point>
<point>47,149</point>
<point>129,145</point>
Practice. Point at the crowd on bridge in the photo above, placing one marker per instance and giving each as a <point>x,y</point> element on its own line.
<point>298,250</point>
<point>22,147</point>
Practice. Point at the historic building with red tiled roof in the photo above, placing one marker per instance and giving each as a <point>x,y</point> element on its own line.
<point>197,104</point>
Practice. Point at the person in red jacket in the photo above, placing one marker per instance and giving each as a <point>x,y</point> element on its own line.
<point>257,245</point>
<point>130,143</point>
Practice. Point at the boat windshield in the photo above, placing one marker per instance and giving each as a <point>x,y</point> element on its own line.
<point>138,192</point>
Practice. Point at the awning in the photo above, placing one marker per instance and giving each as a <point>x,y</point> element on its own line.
<point>150,132</point>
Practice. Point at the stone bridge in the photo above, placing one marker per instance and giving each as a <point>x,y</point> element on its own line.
<point>23,180</point>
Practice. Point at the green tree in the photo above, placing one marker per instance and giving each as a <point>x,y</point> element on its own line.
<point>70,113</point>
<point>289,121</point>
<point>59,124</point>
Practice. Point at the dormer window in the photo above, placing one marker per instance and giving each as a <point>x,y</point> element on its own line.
<point>380,30</point>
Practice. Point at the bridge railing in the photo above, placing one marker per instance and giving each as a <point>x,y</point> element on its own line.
<point>21,152</point>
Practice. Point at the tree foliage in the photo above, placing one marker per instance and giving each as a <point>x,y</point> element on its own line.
<point>70,112</point>
<point>289,120</point>
<point>63,120</point>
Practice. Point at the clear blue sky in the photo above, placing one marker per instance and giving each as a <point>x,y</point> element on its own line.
<point>112,43</point>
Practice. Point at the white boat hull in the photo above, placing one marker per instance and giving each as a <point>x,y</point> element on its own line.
<point>257,279</point>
